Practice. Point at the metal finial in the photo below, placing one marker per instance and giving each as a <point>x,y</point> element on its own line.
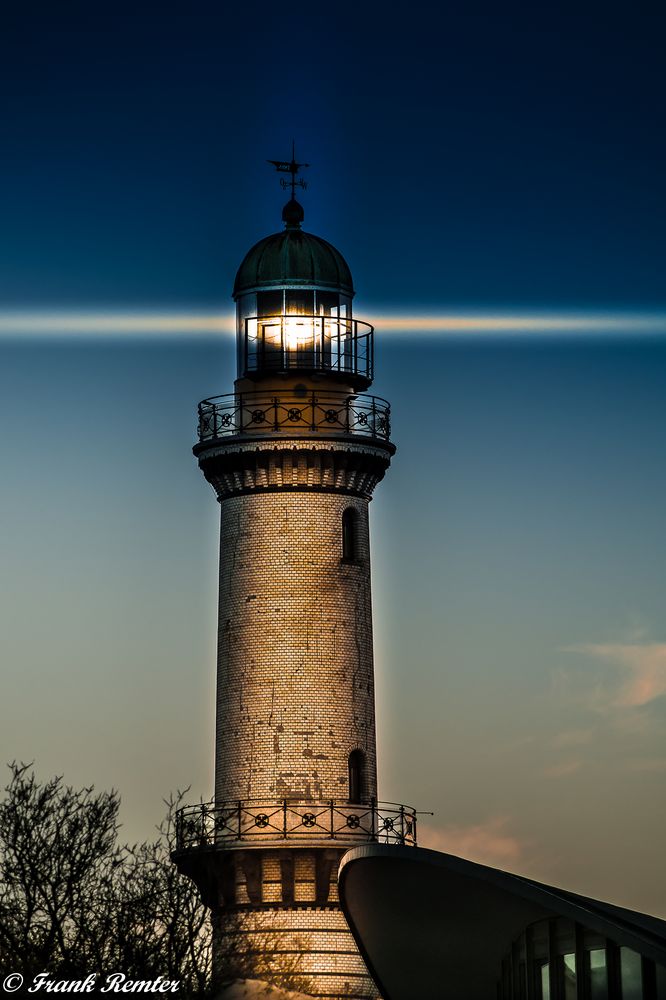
<point>290,167</point>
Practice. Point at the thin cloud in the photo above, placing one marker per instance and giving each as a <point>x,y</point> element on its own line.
<point>573,738</point>
<point>489,842</point>
<point>641,677</point>
<point>563,769</point>
<point>646,765</point>
<point>164,322</point>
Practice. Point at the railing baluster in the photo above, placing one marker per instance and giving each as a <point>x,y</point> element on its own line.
<point>284,824</point>
<point>240,819</point>
<point>313,425</point>
<point>355,339</point>
<point>284,354</point>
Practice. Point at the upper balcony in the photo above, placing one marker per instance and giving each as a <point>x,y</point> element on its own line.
<point>291,412</point>
<point>297,342</point>
<point>263,823</point>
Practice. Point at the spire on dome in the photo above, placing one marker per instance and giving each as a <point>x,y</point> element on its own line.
<point>293,214</point>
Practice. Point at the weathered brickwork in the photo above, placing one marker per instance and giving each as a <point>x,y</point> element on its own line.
<point>276,916</point>
<point>295,669</point>
<point>308,949</point>
<point>295,696</point>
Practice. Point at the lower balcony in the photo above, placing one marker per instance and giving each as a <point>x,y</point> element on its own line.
<point>263,823</point>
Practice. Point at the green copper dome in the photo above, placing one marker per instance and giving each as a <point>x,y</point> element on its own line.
<point>293,259</point>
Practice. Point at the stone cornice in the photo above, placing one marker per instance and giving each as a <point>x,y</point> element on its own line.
<point>268,464</point>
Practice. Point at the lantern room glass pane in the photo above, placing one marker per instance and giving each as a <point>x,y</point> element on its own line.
<point>328,307</point>
<point>264,339</point>
<point>299,302</point>
<point>328,303</point>
<point>269,303</point>
<point>246,339</point>
<point>291,329</point>
<point>630,971</point>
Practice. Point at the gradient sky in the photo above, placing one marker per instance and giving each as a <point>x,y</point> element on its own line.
<point>480,165</point>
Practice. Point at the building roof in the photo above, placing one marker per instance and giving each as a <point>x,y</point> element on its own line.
<point>434,925</point>
<point>293,258</point>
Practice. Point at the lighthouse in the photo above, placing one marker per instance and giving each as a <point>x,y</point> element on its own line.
<point>293,454</point>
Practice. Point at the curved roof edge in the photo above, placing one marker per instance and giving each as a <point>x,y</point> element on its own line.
<point>445,919</point>
<point>293,258</point>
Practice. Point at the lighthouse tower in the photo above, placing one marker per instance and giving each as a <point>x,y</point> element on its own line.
<point>293,454</point>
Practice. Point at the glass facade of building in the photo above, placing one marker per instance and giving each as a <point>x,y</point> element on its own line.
<point>561,960</point>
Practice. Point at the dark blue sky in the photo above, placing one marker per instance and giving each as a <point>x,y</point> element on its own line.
<point>459,160</point>
<point>479,163</point>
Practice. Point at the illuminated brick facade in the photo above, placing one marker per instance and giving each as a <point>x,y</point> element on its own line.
<point>295,694</point>
<point>295,680</point>
<point>294,455</point>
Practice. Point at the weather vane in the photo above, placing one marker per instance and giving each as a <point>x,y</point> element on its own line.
<point>287,167</point>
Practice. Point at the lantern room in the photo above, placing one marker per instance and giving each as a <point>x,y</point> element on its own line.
<point>293,294</point>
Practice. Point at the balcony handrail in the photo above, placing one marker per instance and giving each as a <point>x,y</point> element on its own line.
<point>276,410</point>
<point>264,821</point>
<point>349,321</point>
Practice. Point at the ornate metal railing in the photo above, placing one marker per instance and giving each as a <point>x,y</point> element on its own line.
<point>260,822</point>
<point>308,343</point>
<point>289,411</point>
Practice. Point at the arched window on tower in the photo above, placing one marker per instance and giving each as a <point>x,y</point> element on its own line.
<point>349,535</point>
<point>356,775</point>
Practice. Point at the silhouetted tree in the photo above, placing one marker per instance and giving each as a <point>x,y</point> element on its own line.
<point>73,900</point>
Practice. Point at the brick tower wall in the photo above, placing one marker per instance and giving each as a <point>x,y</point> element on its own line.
<point>295,691</point>
<point>310,950</point>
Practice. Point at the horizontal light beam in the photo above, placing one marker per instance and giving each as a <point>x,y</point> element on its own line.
<point>165,323</point>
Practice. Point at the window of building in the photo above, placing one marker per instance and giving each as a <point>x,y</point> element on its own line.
<point>630,971</point>
<point>597,973</point>
<point>660,977</point>
<point>567,961</point>
<point>349,535</point>
<point>356,775</point>
<point>569,976</point>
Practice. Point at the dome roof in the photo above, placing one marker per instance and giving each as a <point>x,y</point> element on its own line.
<point>293,258</point>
